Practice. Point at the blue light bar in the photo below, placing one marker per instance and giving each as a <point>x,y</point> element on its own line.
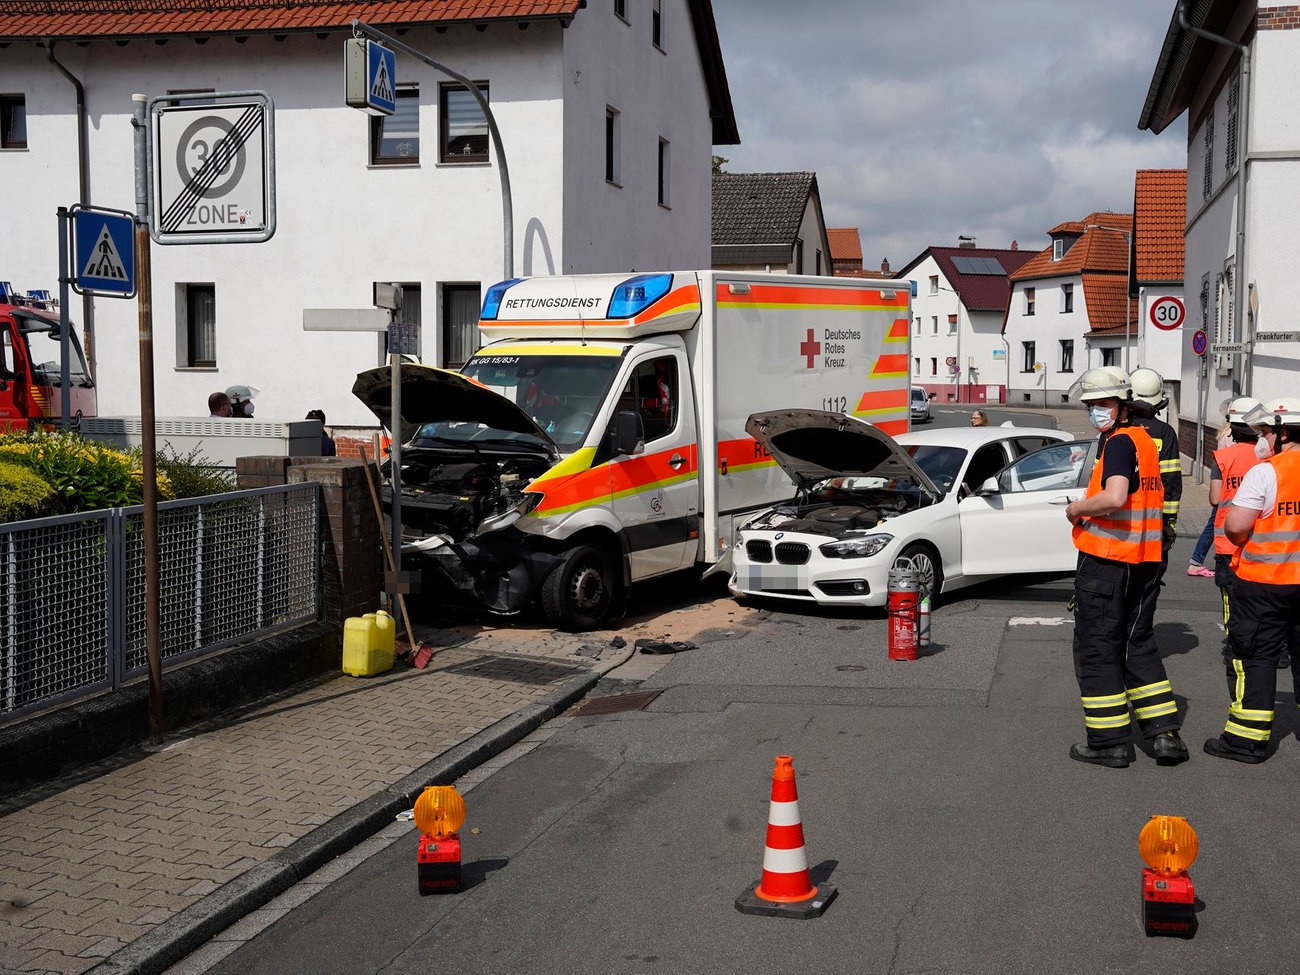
<point>492,301</point>
<point>637,294</point>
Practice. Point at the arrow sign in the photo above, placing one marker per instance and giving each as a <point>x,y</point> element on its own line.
<point>103,248</point>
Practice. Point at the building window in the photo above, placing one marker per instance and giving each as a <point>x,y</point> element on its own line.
<point>612,128</point>
<point>916,365</point>
<point>395,139</point>
<point>663,172</point>
<point>1110,357</point>
<point>1067,355</point>
<point>1230,137</point>
<point>408,314</point>
<point>797,264</point>
<point>1029,302</point>
<point>657,24</point>
<point>952,324</point>
<point>817,261</point>
<point>620,9</point>
<point>200,315</point>
<point>13,121</point>
<point>1031,356</point>
<point>1058,249</point>
<point>1067,298</point>
<point>1207,161</point>
<point>463,128</point>
<point>934,324</point>
<point>918,324</point>
<point>460,310</point>
<point>934,284</point>
<point>934,366</point>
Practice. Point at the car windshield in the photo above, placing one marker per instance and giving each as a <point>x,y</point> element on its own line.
<point>45,352</point>
<point>918,395</point>
<point>940,464</point>
<point>562,394</point>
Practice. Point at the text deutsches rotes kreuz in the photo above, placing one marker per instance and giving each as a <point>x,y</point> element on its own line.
<point>834,350</point>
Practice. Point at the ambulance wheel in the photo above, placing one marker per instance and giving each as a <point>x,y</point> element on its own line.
<point>579,592</point>
<point>928,568</point>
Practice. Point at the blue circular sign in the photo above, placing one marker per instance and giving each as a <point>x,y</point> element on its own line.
<point>1198,341</point>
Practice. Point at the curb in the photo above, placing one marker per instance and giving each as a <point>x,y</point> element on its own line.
<point>169,942</point>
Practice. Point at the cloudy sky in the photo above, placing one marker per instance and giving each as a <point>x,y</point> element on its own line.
<point>929,119</point>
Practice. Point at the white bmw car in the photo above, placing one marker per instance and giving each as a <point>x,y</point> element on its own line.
<point>964,505</point>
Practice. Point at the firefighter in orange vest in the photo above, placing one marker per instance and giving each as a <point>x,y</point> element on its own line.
<point>1118,530</point>
<point>1264,520</point>
<point>1228,466</point>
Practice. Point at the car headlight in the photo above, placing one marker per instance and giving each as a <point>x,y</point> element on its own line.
<point>856,548</point>
<point>504,519</point>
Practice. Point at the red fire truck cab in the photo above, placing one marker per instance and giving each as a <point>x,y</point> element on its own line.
<point>31,364</point>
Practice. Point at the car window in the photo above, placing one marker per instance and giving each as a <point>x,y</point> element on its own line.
<point>1024,445</point>
<point>1059,467</point>
<point>940,464</point>
<point>986,463</point>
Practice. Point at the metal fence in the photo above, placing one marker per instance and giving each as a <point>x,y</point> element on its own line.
<point>72,593</point>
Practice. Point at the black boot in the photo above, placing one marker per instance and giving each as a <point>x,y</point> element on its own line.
<point>1111,756</point>
<point>1168,748</point>
<point>1222,749</point>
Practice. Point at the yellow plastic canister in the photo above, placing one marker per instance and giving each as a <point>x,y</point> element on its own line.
<point>368,644</point>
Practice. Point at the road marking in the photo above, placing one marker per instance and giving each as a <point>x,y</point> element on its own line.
<point>1039,621</point>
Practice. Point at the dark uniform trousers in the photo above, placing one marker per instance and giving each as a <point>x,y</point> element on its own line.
<point>1265,625</point>
<point>1116,658</point>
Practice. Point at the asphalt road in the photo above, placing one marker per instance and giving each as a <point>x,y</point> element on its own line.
<point>936,795</point>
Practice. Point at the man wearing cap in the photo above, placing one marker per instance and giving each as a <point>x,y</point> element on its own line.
<point>1264,520</point>
<point>1149,399</point>
<point>1118,530</point>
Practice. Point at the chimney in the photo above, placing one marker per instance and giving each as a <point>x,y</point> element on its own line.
<point>1015,245</point>
<point>884,266</point>
<point>964,241</point>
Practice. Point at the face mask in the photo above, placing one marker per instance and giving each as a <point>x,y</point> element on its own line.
<point>1262,450</point>
<point>1100,418</point>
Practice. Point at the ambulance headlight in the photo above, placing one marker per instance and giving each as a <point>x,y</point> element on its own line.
<point>492,301</point>
<point>635,295</point>
<point>856,548</point>
<point>525,503</point>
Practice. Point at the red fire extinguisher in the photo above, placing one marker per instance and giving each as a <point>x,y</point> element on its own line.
<point>903,610</point>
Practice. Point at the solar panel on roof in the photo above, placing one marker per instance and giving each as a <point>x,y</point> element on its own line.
<point>978,265</point>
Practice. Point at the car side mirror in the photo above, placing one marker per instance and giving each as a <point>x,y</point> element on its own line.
<point>931,396</point>
<point>628,434</point>
<point>989,487</point>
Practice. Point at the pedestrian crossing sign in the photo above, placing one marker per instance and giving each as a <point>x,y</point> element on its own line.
<point>371,71</point>
<point>103,252</point>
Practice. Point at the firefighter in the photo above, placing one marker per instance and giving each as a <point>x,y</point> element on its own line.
<point>1264,520</point>
<point>1227,468</point>
<point>1118,530</point>
<point>1149,399</point>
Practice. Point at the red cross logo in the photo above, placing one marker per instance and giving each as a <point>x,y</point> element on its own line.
<point>810,348</point>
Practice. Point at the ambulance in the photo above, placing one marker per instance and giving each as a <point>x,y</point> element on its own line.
<point>598,439</point>
<point>31,356</point>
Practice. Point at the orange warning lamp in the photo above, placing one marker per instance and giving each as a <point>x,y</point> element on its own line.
<point>1169,846</point>
<point>439,811</point>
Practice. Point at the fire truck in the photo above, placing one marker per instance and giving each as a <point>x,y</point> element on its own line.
<point>31,358</point>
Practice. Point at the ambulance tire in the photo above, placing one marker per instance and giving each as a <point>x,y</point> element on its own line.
<point>579,593</point>
<point>926,562</point>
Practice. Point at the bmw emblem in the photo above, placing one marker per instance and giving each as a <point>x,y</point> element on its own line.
<point>779,535</point>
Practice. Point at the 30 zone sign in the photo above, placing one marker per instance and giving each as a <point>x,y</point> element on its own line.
<point>212,168</point>
<point>1168,313</point>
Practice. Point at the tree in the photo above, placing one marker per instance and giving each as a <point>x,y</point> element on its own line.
<point>719,162</point>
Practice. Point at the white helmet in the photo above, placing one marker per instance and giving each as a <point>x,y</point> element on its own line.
<point>240,394</point>
<point>1236,411</point>
<point>1149,387</point>
<point>1284,410</point>
<point>1104,382</point>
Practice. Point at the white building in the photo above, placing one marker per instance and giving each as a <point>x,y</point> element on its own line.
<point>608,112</point>
<point>1234,67</point>
<point>959,301</point>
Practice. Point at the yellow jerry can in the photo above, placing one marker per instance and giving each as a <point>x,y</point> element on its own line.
<point>368,643</point>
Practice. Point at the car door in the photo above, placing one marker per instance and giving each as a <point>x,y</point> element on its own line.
<point>1021,527</point>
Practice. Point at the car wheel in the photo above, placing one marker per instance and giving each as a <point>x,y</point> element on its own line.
<point>925,561</point>
<point>579,593</point>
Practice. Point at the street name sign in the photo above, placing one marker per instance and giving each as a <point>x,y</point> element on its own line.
<point>1277,336</point>
<point>212,168</point>
<point>1229,348</point>
<point>103,252</point>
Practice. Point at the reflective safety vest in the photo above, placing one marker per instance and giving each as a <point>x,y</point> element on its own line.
<point>1271,554</point>
<point>1131,533</point>
<point>1233,463</point>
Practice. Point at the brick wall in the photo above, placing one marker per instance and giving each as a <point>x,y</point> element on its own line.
<point>1278,18</point>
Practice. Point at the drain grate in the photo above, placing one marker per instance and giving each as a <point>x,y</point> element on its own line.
<point>616,703</point>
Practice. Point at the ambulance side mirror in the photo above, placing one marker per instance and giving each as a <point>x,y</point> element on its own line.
<point>628,435</point>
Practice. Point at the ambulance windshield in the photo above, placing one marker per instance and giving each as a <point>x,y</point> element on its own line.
<point>562,393</point>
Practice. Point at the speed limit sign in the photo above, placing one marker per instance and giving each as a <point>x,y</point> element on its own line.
<point>1168,313</point>
<point>212,168</point>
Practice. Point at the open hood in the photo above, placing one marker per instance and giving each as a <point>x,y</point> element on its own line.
<point>812,445</point>
<point>432,395</point>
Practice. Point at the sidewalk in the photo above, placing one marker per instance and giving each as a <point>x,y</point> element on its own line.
<point>134,862</point>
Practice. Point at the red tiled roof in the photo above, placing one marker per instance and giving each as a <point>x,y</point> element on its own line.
<point>1104,296</point>
<point>1096,249</point>
<point>845,243</point>
<point>90,19</point>
<point>1160,209</point>
<point>981,292</point>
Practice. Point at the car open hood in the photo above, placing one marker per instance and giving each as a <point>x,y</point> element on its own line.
<point>812,445</point>
<point>432,395</point>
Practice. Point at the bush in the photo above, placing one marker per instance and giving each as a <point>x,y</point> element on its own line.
<point>22,493</point>
<point>192,475</point>
<point>84,475</point>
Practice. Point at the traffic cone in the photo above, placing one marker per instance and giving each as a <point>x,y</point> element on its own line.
<point>785,889</point>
